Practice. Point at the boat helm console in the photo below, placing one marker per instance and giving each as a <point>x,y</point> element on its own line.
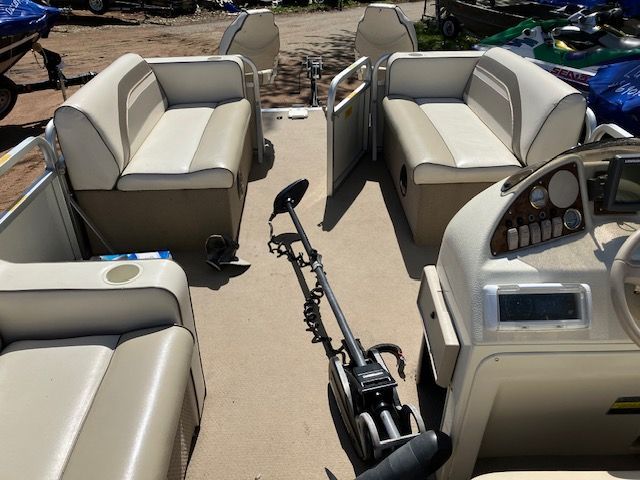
<point>528,326</point>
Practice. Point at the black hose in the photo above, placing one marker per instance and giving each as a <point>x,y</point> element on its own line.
<point>415,460</point>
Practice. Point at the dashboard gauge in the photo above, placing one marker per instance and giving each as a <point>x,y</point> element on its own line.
<point>572,219</point>
<point>538,197</point>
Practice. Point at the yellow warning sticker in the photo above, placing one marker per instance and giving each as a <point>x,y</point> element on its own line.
<point>625,406</point>
<point>348,112</point>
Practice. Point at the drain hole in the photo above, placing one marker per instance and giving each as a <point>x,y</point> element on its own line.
<point>403,180</point>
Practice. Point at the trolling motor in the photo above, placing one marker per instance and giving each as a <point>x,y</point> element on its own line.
<point>363,387</point>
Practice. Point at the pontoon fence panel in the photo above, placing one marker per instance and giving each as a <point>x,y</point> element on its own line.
<point>347,124</point>
<point>38,226</point>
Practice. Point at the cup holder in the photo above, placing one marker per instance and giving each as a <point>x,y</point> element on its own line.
<point>403,180</point>
<point>123,273</point>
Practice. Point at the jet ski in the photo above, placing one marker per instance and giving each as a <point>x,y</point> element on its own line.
<point>573,49</point>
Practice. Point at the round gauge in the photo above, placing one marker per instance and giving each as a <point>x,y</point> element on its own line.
<point>538,197</point>
<point>572,219</point>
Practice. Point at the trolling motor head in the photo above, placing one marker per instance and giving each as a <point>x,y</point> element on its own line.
<point>290,195</point>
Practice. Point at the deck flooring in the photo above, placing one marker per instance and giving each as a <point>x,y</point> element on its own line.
<point>268,412</point>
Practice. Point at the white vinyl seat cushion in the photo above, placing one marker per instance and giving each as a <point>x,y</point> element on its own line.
<point>207,156</point>
<point>99,407</point>
<point>445,142</point>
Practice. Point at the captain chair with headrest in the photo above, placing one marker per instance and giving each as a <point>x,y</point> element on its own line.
<point>255,35</point>
<point>384,29</point>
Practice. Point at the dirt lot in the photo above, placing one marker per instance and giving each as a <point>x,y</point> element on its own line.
<point>90,43</point>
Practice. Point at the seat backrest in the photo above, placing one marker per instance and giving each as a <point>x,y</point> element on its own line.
<point>430,74</point>
<point>536,115</point>
<point>255,35</point>
<point>384,28</point>
<point>102,125</point>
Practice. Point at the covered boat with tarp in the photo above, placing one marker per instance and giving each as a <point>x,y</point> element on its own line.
<point>630,8</point>
<point>614,95</point>
<point>22,23</point>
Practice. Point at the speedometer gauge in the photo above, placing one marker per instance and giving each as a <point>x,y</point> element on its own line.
<point>538,197</point>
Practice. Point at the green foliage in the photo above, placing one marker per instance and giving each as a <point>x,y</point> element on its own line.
<point>303,6</point>
<point>431,38</point>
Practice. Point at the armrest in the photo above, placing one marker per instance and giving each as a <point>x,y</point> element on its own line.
<point>187,80</point>
<point>60,300</point>
<point>430,74</point>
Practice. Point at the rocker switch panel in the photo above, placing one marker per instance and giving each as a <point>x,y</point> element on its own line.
<point>546,230</point>
<point>534,228</point>
<point>512,238</point>
<point>556,223</point>
<point>523,232</point>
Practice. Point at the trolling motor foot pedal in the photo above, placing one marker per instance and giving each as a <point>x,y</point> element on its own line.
<point>221,252</point>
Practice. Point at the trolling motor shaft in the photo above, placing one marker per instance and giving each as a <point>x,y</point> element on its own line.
<point>355,352</point>
<point>369,375</point>
<point>363,387</point>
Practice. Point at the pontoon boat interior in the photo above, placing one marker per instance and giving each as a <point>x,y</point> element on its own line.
<point>467,206</point>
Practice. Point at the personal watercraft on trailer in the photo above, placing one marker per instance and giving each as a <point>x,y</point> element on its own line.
<point>572,49</point>
<point>22,24</point>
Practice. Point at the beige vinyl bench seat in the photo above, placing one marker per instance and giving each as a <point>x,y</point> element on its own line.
<point>208,154</point>
<point>445,142</point>
<point>158,151</point>
<point>100,373</point>
<point>103,406</point>
<point>457,122</point>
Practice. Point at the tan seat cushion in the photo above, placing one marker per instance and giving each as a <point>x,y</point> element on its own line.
<point>207,156</point>
<point>99,407</point>
<point>445,142</point>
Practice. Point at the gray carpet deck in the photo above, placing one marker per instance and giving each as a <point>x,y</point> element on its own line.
<point>268,413</point>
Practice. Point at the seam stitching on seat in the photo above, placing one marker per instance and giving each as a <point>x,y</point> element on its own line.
<point>195,154</point>
<point>443,142</point>
<point>86,415</point>
<point>133,88</point>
